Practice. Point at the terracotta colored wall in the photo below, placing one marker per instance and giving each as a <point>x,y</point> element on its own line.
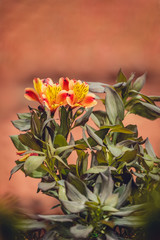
<point>88,40</point>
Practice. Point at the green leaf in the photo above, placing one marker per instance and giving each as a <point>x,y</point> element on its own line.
<point>73,194</point>
<point>146,110</point>
<point>15,169</point>
<point>125,211</point>
<point>94,136</point>
<point>30,141</point>
<point>45,186</point>
<point>62,193</point>
<point>82,120</point>
<point>78,112</point>
<point>146,98</point>
<point>95,120</point>
<point>17,143</point>
<point>115,150</point>
<point>125,194</point>
<point>22,124</point>
<point>112,200</point>
<point>118,128</point>
<point>35,124</point>
<point>106,186</point>
<point>139,83</point>
<point>121,77</point>
<point>81,187</point>
<point>155,98</point>
<point>61,160</point>
<point>109,209</point>
<point>114,105</point>
<point>128,156</point>
<point>32,163</point>
<point>101,116</point>
<point>81,231</point>
<point>64,121</point>
<point>149,148</point>
<point>85,138</point>
<point>62,149</point>
<point>101,157</point>
<point>130,221</point>
<point>60,141</point>
<point>97,169</point>
<point>24,115</point>
<point>73,206</point>
<point>100,133</point>
<point>59,218</point>
<point>38,173</point>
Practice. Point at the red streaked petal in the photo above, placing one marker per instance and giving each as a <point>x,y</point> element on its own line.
<point>70,98</point>
<point>64,83</point>
<point>89,100</point>
<point>61,97</point>
<point>20,152</point>
<point>31,95</point>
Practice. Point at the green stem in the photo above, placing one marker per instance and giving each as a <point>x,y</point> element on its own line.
<point>49,170</point>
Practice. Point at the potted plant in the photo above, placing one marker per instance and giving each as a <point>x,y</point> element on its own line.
<point>107,192</point>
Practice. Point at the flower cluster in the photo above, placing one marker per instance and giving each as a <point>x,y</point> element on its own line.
<point>66,92</point>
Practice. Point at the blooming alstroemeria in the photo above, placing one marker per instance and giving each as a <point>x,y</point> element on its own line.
<point>25,156</point>
<point>54,97</point>
<point>37,93</point>
<point>80,96</point>
<point>66,83</point>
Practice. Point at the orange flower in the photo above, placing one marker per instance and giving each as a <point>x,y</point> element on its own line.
<point>80,96</point>
<point>66,83</point>
<point>54,97</point>
<point>36,94</point>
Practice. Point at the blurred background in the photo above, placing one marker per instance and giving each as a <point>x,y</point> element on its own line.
<point>82,39</point>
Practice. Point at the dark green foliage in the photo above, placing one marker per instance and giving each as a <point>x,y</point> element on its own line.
<point>109,199</point>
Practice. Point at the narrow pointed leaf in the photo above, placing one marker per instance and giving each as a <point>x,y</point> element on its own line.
<point>114,105</point>
<point>82,120</point>
<point>17,143</point>
<point>94,136</point>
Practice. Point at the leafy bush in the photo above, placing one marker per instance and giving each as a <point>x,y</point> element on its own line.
<point>109,199</point>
